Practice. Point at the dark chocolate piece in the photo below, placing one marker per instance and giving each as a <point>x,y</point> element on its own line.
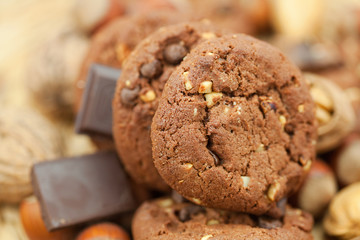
<point>80,189</point>
<point>95,114</point>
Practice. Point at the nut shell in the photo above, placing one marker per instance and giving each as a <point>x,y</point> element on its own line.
<point>343,217</point>
<point>341,116</point>
<point>26,138</point>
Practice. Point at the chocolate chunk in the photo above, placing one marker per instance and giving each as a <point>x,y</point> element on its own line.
<point>186,212</point>
<point>77,190</point>
<point>129,96</point>
<point>216,158</point>
<point>269,223</point>
<point>95,114</point>
<point>152,69</point>
<point>175,53</point>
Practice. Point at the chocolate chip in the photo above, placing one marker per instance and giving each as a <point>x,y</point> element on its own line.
<point>177,197</point>
<point>175,53</point>
<point>128,96</point>
<point>151,69</point>
<point>269,223</point>
<point>267,105</point>
<point>186,212</point>
<point>216,158</point>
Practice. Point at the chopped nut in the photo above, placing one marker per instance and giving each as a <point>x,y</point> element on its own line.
<point>205,87</point>
<point>267,104</point>
<point>226,110</point>
<point>261,148</point>
<point>164,203</point>
<point>212,98</point>
<point>273,190</point>
<point>127,83</point>
<point>210,54</point>
<point>321,98</point>
<point>208,35</point>
<point>188,84</point>
<point>301,108</point>
<point>196,200</point>
<point>282,120</point>
<point>212,222</point>
<point>207,237</point>
<point>149,96</point>
<point>307,165</point>
<point>245,180</point>
<point>181,181</point>
<point>195,111</point>
<point>322,115</point>
<point>188,165</point>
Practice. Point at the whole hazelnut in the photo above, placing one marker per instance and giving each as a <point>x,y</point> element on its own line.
<point>34,226</point>
<point>318,189</point>
<point>343,216</point>
<point>346,160</point>
<point>103,231</point>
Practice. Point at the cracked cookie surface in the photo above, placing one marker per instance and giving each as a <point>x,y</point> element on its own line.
<point>139,88</point>
<point>235,128</point>
<point>166,219</point>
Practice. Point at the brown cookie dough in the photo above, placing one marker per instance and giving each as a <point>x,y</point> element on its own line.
<point>235,128</point>
<point>165,219</point>
<point>111,45</point>
<point>139,88</point>
<point>114,42</point>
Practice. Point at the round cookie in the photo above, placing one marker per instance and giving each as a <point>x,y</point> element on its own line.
<point>235,127</point>
<point>139,88</point>
<point>111,45</point>
<point>165,219</point>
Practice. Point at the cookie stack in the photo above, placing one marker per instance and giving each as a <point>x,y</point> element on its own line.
<point>228,122</point>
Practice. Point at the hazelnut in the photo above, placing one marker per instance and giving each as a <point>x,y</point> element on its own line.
<point>212,98</point>
<point>205,87</point>
<point>149,96</point>
<point>187,166</point>
<point>34,226</point>
<point>318,189</point>
<point>346,160</point>
<point>343,216</point>
<point>104,230</point>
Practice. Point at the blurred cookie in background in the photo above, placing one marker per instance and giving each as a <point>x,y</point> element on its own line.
<point>52,71</point>
<point>90,16</point>
<point>26,138</point>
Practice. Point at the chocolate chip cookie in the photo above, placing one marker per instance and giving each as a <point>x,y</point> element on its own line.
<point>165,219</point>
<point>115,41</point>
<point>235,127</point>
<point>139,88</point>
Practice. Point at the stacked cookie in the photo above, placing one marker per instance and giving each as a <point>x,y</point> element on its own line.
<point>232,127</point>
